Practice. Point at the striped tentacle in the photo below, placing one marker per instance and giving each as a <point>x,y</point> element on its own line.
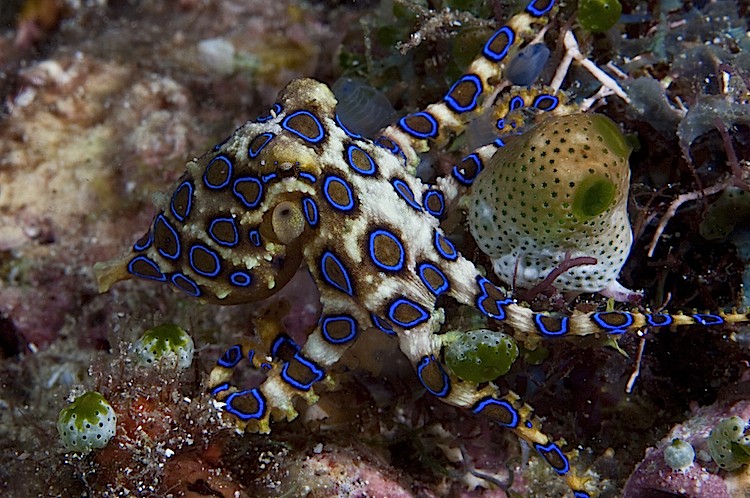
<point>506,409</point>
<point>250,409</point>
<point>526,322</point>
<point>509,115</point>
<point>414,133</point>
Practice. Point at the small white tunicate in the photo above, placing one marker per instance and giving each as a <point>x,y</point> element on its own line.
<point>679,455</point>
<point>217,54</point>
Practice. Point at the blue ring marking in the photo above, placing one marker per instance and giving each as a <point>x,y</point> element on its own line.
<point>145,245</point>
<point>391,147</point>
<point>220,388</point>
<point>369,171</point>
<point>162,278</point>
<point>231,357</point>
<point>253,153</point>
<point>388,144</point>
<point>707,319</point>
<point>254,236</point>
<point>498,56</point>
<point>314,140</point>
<point>405,192</point>
<point>528,424</point>
<point>219,241</point>
<point>318,373</point>
<point>189,185</point>
<point>281,341</point>
<point>451,254</point>
<point>532,9</point>
<point>516,103</point>
<point>553,448</point>
<point>453,104</point>
<point>338,318</point>
<point>500,124</point>
<point>341,125</point>
<point>431,133</point>
<point>437,213</point>
<point>341,207</point>
<point>267,178</point>
<point>659,319</point>
<point>255,392</point>
<point>551,333</point>
<point>380,264</point>
<point>423,315</point>
<point>423,363</point>
<point>178,247</point>
<point>382,325</point>
<point>500,315</point>
<point>275,111</point>
<point>206,250</point>
<point>435,290</point>
<point>613,329</point>
<point>484,403</point>
<point>307,176</point>
<point>250,356</point>
<point>542,100</point>
<point>186,284</point>
<point>581,494</point>
<point>347,289</point>
<point>251,203</point>
<point>241,279</point>
<point>224,182</point>
<point>499,142</point>
<point>468,179</point>
<point>310,208</point>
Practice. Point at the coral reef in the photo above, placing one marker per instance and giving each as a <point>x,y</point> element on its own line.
<point>655,477</point>
<point>102,104</point>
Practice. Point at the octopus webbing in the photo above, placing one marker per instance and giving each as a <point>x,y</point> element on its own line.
<point>296,188</point>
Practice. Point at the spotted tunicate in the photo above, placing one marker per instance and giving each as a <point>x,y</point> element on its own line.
<point>87,424</point>
<point>481,355</point>
<point>167,341</point>
<point>556,192</point>
<point>729,444</point>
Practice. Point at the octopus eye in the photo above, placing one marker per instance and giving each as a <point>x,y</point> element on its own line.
<point>288,221</point>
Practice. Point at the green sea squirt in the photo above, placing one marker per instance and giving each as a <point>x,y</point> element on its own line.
<point>679,455</point>
<point>163,342</point>
<point>557,192</point>
<point>87,424</point>
<point>729,443</point>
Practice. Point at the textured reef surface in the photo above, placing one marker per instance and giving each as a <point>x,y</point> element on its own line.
<point>103,103</point>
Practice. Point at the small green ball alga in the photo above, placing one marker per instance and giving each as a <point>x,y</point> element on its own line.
<point>598,15</point>
<point>87,424</point>
<point>481,355</point>
<point>162,342</point>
